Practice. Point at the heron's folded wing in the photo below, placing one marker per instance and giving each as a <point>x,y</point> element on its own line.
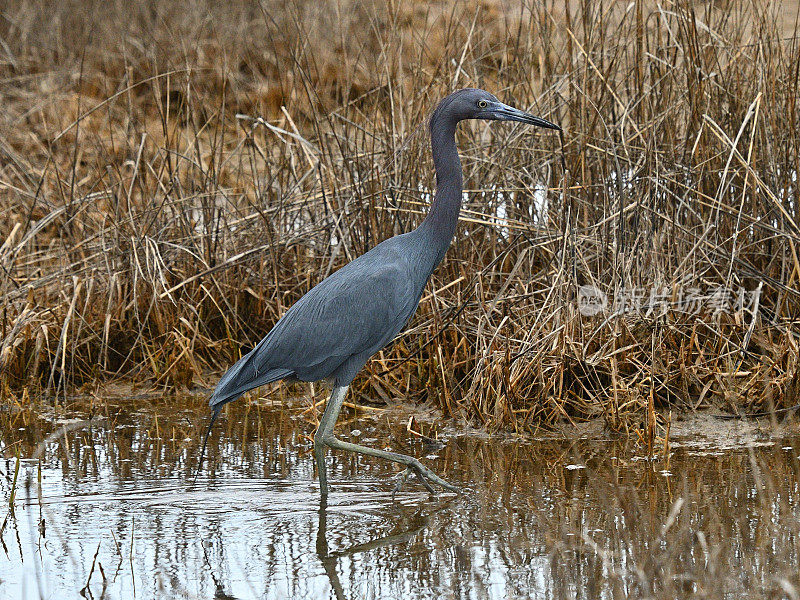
<point>356,311</point>
<point>359,309</point>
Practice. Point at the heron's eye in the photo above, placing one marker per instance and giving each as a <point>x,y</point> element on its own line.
<point>482,104</point>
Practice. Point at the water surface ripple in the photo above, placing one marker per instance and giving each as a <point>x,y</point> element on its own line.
<point>118,516</point>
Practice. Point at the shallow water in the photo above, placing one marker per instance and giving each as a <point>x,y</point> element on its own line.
<point>582,518</point>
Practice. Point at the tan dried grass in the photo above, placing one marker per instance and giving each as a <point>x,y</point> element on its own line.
<point>148,232</point>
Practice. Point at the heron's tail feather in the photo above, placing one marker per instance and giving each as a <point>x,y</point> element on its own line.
<point>236,382</point>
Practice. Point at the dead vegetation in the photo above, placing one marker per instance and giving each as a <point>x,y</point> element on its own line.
<point>172,179</point>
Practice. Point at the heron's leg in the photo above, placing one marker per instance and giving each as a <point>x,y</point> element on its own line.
<point>319,455</point>
<point>324,437</point>
<point>423,472</point>
<point>332,408</point>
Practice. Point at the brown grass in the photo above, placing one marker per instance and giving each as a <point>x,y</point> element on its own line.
<point>148,232</point>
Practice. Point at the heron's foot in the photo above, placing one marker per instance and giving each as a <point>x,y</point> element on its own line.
<point>401,478</point>
<point>426,477</point>
<point>422,474</point>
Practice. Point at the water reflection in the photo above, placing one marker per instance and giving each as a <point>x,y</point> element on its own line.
<point>117,514</point>
<point>330,560</point>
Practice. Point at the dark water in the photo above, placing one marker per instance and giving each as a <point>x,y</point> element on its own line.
<point>545,519</point>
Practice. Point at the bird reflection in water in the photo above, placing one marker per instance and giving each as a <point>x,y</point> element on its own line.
<point>418,521</point>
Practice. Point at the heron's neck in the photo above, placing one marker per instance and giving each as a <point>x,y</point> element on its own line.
<point>440,224</point>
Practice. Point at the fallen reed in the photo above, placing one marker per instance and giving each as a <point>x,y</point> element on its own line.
<point>172,179</point>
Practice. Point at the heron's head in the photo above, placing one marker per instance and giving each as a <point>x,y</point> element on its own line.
<point>472,103</point>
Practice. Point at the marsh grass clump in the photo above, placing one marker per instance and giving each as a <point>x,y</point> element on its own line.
<point>172,180</point>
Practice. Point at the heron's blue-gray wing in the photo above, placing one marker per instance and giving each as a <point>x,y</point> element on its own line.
<point>353,313</point>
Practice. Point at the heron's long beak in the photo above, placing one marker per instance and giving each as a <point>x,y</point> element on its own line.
<point>503,112</point>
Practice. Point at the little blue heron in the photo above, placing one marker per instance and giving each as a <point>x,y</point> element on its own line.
<point>333,330</point>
